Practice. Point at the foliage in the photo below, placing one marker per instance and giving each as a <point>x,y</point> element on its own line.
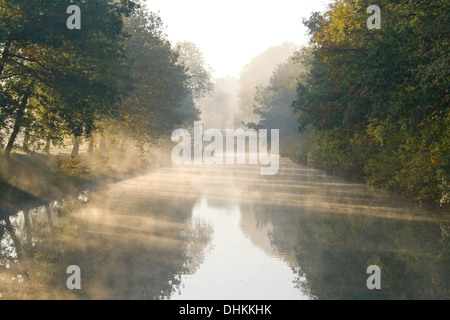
<point>199,79</point>
<point>379,98</point>
<point>50,72</point>
<point>199,73</point>
<point>258,73</point>
<point>157,83</point>
<point>118,74</point>
<point>71,167</point>
<point>273,104</point>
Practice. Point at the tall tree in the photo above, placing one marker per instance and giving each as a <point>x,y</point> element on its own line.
<point>379,98</point>
<point>257,73</point>
<point>199,82</point>
<point>273,103</point>
<point>79,69</point>
<point>157,83</point>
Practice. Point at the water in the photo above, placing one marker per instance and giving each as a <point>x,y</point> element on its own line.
<point>242,267</point>
<point>225,232</point>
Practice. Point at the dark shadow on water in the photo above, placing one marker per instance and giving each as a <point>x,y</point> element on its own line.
<point>332,237</point>
<point>128,246</point>
<point>137,238</point>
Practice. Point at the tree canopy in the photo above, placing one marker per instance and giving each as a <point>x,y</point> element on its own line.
<point>378,99</point>
<point>118,72</point>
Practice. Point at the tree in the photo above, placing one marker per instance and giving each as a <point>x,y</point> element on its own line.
<point>80,70</point>
<point>273,103</point>
<point>157,84</point>
<point>258,73</point>
<point>220,110</point>
<point>379,98</point>
<point>199,82</point>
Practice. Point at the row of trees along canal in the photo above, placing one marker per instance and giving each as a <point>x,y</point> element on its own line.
<point>371,104</point>
<point>117,75</point>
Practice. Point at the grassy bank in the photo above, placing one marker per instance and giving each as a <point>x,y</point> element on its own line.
<point>30,180</point>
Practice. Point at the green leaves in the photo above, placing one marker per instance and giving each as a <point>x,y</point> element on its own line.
<point>77,75</point>
<point>157,84</point>
<point>386,88</point>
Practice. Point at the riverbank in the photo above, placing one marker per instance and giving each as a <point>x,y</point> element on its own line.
<point>28,180</point>
<point>33,180</point>
<point>337,171</point>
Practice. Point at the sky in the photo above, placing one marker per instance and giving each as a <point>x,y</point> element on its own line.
<point>230,33</point>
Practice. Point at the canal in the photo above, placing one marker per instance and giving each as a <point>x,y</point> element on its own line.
<point>226,232</point>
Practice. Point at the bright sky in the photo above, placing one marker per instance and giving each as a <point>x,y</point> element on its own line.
<point>230,33</point>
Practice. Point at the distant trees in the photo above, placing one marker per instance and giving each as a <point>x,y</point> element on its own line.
<point>258,73</point>
<point>64,78</point>
<point>117,75</point>
<point>378,100</point>
<point>273,102</point>
<point>156,84</point>
<point>199,82</point>
<point>220,110</point>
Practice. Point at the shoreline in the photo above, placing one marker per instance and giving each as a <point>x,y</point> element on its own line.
<point>33,180</point>
<point>28,181</point>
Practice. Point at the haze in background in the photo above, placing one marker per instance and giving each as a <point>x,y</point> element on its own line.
<point>219,111</point>
<point>230,33</point>
<point>232,103</point>
<point>257,74</point>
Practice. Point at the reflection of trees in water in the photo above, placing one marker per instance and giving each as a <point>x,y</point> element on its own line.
<point>17,245</point>
<point>220,204</point>
<point>197,240</point>
<point>334,251</point>
<point>331,230</point>
<point>133,251</point>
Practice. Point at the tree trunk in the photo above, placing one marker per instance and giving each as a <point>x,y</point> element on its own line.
<point>48,144</point>
<point>102,143</point>
<point>15,239</point>
<point>26,141</point>
<point>76,146</point>
<point>48,210</point>
<point>5,55</point>
<point>13,137</point>
<point>91,146</point>
<point>17,124</point>
<point>26,215</point>
<point>123,144</point>
<point>19,249</point>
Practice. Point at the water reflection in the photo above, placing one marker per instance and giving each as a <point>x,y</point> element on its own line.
<point>235,268</point>
<point>205,232</point>
<point>333,230</point>
<point>129,240</point>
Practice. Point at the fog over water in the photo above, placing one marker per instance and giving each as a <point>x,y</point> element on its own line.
<point>141,227</point>
<point>225,232</point>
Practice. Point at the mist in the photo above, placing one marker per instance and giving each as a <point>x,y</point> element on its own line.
<point>232,103</point>
<point>320,162</point>
<point>221,109</point>
<point>258,73</point>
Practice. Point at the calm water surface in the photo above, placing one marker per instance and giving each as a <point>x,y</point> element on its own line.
<point>218,232</point>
